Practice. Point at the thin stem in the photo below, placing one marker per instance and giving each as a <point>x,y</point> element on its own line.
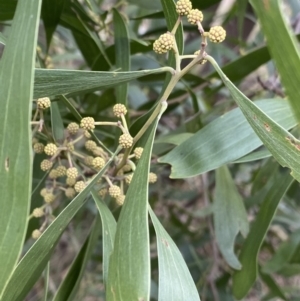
<point>176,25</point>
<point>190,56</point>
<point>124,122</point>
<point>77,139</point>
<point>106,123</point>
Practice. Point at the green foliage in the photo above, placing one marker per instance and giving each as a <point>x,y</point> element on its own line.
<point>80,175</point>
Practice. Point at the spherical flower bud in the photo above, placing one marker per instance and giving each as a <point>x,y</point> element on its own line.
<point>125,141</point>
<point>126,168</point>
<point>73,128</point>
<point>217,34</point>
<point>157,47</point>
<point>79,186</point>
<point>120,199</point>
<point>195,16</point>
<point>87,134</point>
<point>46,165</point>
<point>90,145</point>
<point>98,163</point>
<point>43,103</point>
<point>119,110</point>
<point>88,160</point>
<point>87,123</point>
<point>50,149</point>
<point>43,192</point>
<point>38,212</point>
<point>102,192</point>
<point>114,191</point>
<point>61,170</point>
<point>53,174</point>
<point>152,177</point>
<point>70,181</point>
<point>138,152</point>
<point>128,178</point>
<point>70,192</point>
<point>72,173</point>
<point>38,148</point>
<point>49,198</point>
<point>166,41</point>
<point>183,7</point>
<point>98,151</point>
<point>36,234</point>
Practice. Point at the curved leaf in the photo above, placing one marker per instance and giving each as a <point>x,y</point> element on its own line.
<point>175,280</point>
<point>244,279</point>
<point>230,216</point>
<point>32,264</point>
<point>224,140</point>
<point>60,82</point>
<point>129,266</point>
<point>109,227</point>
<point>287,56</point>
<point>58,129</point>
<point>16,86</point>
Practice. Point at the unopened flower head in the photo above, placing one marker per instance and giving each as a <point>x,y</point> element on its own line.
<point>38,148</point>
<point>102,192</point>
<point>46,165</point>
<point>195,16</point>
<point>43,103</point>
<point>87,123</point>
<point>98,163</point>
<point>70,181</point>
<point>88,160</point>
<point>61,170</point>
<point>79,186</point>
<point>183,7</point>
<point>73,128</point>
<point>90,145</point>
<point>53,174</point>
<point>114,191</point>
<point>120,199</point>
<point>36,234</point>
<point>128,178</point>
<point>50,149</point>
<point>72,173</point>
<point>49,198</point>
<point>217,34</point>
<point>119,110</point>
<point>164,43</point>
<point>70,192</point>
<point>152,177</point>
<point>125,141</point>
<point>138,152</point>
<point>38,212</point>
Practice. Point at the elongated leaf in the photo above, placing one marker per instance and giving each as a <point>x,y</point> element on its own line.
<point>224,140</point>
<point>287,56</point>
<point>16,86</point>
<point>56,82</point>
<point>175,280</point>
<point>282,145</point>
<point>254,156</point>
<point>244,279</point>
<point>129,266</point>
<point>109,227</point>
<point>230,216</point>
<point>46,281</point>
<point>51,12</point>
<point>70,285</point>
<point>122,52</point>
<point>58,129</point>
<point>32,264</point>
<point>2,39</point>
<point>174,139</point>
<point>283,255</point>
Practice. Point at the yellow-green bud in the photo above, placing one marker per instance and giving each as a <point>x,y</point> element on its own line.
<point>128,178</point>
<point>73,128</point>
<point>53,174</point>
<point>49,198</point>
<point>38,148</point>
<point>88,160</point>
<point>102,192</point>
<point>87,123</point>
<point>50,149</point>
<point>70,181</point>
<point>114,191</point>
<point>43,103</point>
<point>195,16</point>
<point>36,234</point>
<point>120,199</point>
<point>125,141</point>
<point>38,212</point>
<point>72,173</point>
<point>46,165</point>
<point>217,34</point>
<point>61,171</point>
<point>138,152</point>
<point>90,145</point>
<point>119,110</point>
<point>152,177</point>
<point>70,192</point>
<point>183,7</point>
<point>79,186</point>
<point>98,163</point>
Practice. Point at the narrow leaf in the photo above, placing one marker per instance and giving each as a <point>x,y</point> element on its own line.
<point>51,12</point>
<point>129,267</point>
<point>224,140</point>
<point>122,53</point>
<point>230,216</point>
<point>58,129</point>
<point>16,86</point>
<point>60,82</point>
<point>244,279</point>
<point>109,227</point>
<point>282,145</point>
<point>287,56</point>
<point>70,285</point>
<point>175,280</point>
<point>32,264</point>
<point>2,39</point>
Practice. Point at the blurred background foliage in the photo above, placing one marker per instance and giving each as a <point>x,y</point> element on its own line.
<point>204,213</point>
